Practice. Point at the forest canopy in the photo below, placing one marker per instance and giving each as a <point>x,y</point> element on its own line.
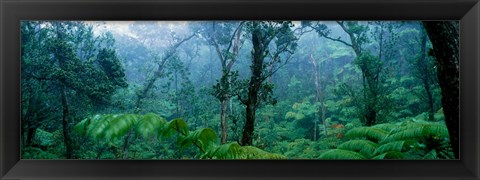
<point>239,90</point>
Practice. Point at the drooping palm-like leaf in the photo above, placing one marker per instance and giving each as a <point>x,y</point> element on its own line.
<point>341,154</point>
<point>364,147</point>
<point>367,132</point>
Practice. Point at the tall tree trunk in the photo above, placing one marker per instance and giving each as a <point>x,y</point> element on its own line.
<point>66,128</point>
<point>223,117</point>
<point>425,75</point>
<point>30,135</point>
<point>253,88</point>
<point>445,40</point>
<point>319,98</point>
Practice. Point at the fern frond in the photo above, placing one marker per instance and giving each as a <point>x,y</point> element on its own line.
<point>385,126</point>
<point>364,147</point>
<point>98,125</point>
<point>341,154</point>
<point>391,146</point>
<point>431,155</point>
<point>390,155</point>
<point>82,126</point>
<point>204,138</point>
<point>368,132</point>
<point>149,124</point>
<point>418,131</point>
<point>251,152</point>
<point>176,125</point>
<point>226,151</point>
<point>120,125</point>
<point>235,151</point>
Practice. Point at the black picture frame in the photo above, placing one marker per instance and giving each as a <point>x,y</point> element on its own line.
<point>13,11</point>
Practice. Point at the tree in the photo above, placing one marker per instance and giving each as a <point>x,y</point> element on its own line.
<point>424,73</point>
<point>226,38</point>
<point>370,66</point>
<point>319,97</point>
<point>148,84</point>
<point>262,34</point>
<point>73,62</point>
<point>445,41</point>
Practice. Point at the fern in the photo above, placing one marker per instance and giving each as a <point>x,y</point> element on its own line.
<point>431,155</point>
<point>391,146</point>
<point>390,155</point>
<point>176,125</point>
<point>203,138</point>
<point>235,151</point>
<point>418,131</point>
<point>148,124</point>
<point>367,132</point>
<point>364,147</point>
<point>395,141</point>
<point>111,126</point>
<point>386,126</point>
<point>341,154</point>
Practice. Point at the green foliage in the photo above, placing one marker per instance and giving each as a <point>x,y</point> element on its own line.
<point>341,154</point>
<point>394,141</point>
<point>364,147</point>
<point>113,126</point>
<point>371,133</point>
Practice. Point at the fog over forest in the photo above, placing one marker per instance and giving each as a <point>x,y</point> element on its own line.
<point>239,90</point>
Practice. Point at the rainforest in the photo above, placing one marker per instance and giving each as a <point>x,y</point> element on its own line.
<point>184,90</point>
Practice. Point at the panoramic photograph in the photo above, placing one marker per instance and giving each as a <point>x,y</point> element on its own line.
<point>212,90</point>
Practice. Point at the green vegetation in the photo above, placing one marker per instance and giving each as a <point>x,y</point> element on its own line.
<point>239,90</point>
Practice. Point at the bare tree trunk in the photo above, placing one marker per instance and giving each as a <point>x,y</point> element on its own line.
<point>223,114</point>
<point>319,98</point>
<point>445,40</point>
<point>65,119</point>
<point>253,88</point>
<point>425,75</point>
